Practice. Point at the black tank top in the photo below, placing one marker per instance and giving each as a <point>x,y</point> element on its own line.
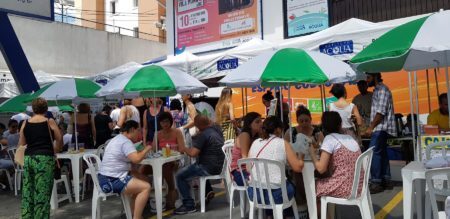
<point>38,139</point>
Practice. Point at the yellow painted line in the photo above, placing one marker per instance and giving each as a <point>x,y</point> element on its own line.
<point>390,206</point>
<point>170,212</point>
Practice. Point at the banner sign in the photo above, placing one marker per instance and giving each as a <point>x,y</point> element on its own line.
<point>305,16</point>
<point>206,25</point>
<point>42,9</point>
<point>227,64</point>
<point>337,48</point>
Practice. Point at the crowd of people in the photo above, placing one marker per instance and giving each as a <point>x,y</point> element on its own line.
<point>333,146</point>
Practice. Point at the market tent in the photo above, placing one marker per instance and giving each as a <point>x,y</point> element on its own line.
<point>9,89</point>
<point>104,77</point>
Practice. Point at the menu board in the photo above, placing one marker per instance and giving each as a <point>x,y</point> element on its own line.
<point>206,25</point>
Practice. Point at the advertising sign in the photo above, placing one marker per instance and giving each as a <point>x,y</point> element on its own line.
<point>42,9</point>
<point>205,25</point>
<point>305,16</point>
<point>337,48</point>
<point>227,64</point>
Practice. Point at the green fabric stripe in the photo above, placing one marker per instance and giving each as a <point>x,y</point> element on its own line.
<point>15,104</point>
<point>292,66</point>
<point>150,78</point>
<point>86,88</point>
<point>394,45</point>
<point>36,94</point>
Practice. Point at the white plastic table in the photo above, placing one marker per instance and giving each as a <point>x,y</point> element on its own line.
<point>310,188</point>
<point>157,164</point>
<point>413,174</point>
<point>75,162</point>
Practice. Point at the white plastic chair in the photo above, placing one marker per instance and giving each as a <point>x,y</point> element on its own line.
<point>437,146</point>
<point>100,152</point>
<point>231,185</point>
<point>437,174</point>
<point>55,200</point>
<point>364,202</point>
<point>259,182</point>
<point>93,162</point>
<point>203,185</point>
<point>18,170</point>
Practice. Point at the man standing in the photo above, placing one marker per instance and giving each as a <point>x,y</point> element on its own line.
<point>382,124</point>
<point>439,116</point>
<point>207,146</point>
<point>363,101</point>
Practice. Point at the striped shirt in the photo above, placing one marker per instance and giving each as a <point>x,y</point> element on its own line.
<point>382,103</point>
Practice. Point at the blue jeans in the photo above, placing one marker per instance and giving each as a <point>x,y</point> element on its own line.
<point>185,175</point>
<point>237,177</point>
<point>380,169</point>
<point>6,164</point>
<point>276,193</point>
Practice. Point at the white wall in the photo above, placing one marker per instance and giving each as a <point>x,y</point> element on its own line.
<point>272,17</point>
<point>126,17</point>
<point>66,49</point>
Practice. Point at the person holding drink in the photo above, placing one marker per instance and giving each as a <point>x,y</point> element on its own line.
<point>172,137</point>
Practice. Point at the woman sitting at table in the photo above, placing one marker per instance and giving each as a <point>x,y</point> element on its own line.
<point>174,138</point>
<point>272,146</point>
<point>250,132</point>
<point>114,175</point>
<point>338,156</point>
<point>313,134</point>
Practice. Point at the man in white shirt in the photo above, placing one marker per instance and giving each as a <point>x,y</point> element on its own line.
<point>115,113</point>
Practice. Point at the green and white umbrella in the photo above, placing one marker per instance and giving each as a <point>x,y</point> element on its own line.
<point>18,104</point>
<point>68,91</point>
<point>420,44</point>
<point>287,67</point>
<point>152,81</point>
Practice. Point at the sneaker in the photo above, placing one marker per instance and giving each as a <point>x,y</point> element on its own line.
<point>209,197</point>
<point>375,188</point>
<point>184,210</point>
<point>388,185</point>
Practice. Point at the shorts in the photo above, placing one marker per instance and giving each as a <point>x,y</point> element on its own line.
<point>113,185</point>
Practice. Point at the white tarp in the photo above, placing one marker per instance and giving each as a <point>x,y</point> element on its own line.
<point>343,41</point>
<point>104,77</point>
<point>9,89</point>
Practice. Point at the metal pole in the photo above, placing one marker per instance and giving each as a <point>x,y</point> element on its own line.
<point>436,81</point>
<point>446,78</point>
<point>418,114</point>
<point>242,94</point>
<point>416,156</point>
<point>321,98</point>
<point>324,100</point>
<point>281,104</point>
<point>246,101</point>
<point>75,128</point>
<point>290,117</point>
<point>156,123</point>
<point>428,92</point>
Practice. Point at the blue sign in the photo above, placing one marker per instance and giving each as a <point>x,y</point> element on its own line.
<point>227,64</point>
<point>337,48</point>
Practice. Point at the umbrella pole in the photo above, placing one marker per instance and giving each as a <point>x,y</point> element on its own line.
<point>428,92</point>
<point>290,117</point>
<point>436,81</point>
<point>281,104</point>
<point>416,156</point>
<point>242,94</point>
<point>75,127</point>
<point>246,101</point>
<point>156,122</point>
<point>417,109</point>
<point>446,78</point>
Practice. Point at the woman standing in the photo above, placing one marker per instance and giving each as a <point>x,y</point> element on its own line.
<point>347,111</point>
<point>39,165</point>
<point>338,156</point>
<point>177,113</point>
<point>225,114</point>
<point>250,132</point>
<point>103,126</point>
<point>85,126</point>
<point>155,109</point>
<point>190,113</point>
<point>267,98</point>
